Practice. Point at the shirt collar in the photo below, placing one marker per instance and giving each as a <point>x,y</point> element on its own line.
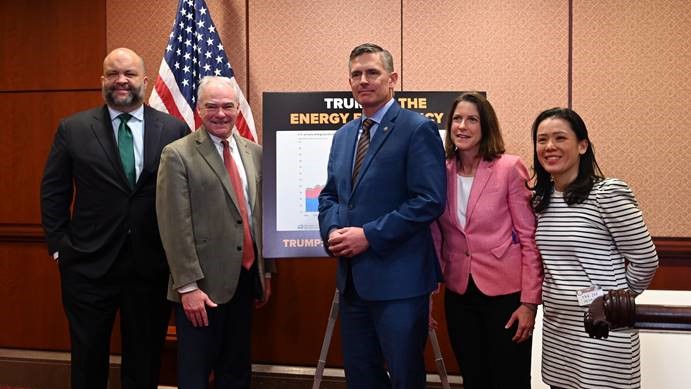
<point>137,113</point>
<point>217,140</point>
<point>379,115</point>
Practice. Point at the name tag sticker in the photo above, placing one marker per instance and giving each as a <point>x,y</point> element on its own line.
<point>587,295</point>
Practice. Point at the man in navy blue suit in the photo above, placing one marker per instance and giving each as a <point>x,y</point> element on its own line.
<point>380,197</point>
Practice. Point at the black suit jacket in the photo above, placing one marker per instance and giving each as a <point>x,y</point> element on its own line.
<point>84,168</point>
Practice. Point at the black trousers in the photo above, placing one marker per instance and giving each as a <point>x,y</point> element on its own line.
<point>91,306</point>
<point>224,345</point>
<point>486,355</point>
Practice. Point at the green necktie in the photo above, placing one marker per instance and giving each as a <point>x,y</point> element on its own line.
<point>125,145</point>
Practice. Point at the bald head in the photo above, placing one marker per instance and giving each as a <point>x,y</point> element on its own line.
<point>124,54</point>
<point>124,80</point>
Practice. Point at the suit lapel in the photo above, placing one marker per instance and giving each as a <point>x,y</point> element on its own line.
<point>351,140</point>
<point>103,131</point>
<point>452,193</point>
<point>482,176</point>
<point>385,128</point>
<point>152,138</point>
<point>208,151</point>
<point>250,169</point>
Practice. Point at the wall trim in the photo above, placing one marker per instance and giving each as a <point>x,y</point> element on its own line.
<point>21,233</point>
<point>669,249</point>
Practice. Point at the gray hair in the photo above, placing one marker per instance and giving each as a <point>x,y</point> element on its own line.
<point>365,48</point>
<point>223,81</point>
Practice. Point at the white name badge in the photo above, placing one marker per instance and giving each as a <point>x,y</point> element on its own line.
<point>587,295</point>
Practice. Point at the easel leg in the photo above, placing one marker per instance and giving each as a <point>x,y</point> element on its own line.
<point>333,315</point>
<point>438,359</point>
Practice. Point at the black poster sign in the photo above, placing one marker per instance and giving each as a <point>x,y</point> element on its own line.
<point>297,129</point>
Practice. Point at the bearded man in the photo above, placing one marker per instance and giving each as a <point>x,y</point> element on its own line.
<point>98,211</point>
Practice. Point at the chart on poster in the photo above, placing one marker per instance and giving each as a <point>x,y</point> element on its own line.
<point>300,173</point>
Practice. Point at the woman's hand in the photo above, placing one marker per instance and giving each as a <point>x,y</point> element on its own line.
<point>525,315</point>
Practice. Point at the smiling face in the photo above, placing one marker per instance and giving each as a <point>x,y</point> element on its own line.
<point>218,108</point>
<point>559,150</point>
<point>466,130</point>
<point>123,81</point>
<point>371,83</point>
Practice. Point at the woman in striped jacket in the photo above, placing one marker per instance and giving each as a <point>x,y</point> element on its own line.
<point>592,238</point>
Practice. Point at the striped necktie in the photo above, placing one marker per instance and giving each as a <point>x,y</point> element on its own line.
<point>362,146</point>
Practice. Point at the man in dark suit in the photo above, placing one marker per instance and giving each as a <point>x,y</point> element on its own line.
<point>98,212</point>
<point>385,184</point>
<point>209,209</point>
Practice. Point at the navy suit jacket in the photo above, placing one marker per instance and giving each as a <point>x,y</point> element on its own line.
<point>401,189</point>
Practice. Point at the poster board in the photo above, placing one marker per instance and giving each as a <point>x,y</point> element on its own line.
<point>297,132</point>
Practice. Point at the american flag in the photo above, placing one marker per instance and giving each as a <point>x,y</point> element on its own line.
<point>194,50</point>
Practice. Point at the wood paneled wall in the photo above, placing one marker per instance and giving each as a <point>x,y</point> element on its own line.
<point>51,54</point>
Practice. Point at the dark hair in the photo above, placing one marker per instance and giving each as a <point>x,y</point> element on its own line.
<point>492,143</point>
<point>384,55</point>
<point>588,170</point>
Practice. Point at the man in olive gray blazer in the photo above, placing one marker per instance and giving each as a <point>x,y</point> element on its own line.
<point>209,209</point>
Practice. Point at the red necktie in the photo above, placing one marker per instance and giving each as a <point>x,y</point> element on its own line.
<point>236,182</point>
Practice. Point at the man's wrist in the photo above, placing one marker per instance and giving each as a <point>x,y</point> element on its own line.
<point>191,287</point>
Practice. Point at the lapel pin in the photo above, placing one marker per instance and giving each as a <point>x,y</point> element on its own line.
<point>386,129</point>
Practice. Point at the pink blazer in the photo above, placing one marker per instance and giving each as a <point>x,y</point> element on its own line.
<point>497,245</point>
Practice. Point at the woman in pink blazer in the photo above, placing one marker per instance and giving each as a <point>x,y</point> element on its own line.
<point>485,241</point>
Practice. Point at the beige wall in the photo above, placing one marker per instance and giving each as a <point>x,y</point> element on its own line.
<point>631,68</point>
<point>632,83</point>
